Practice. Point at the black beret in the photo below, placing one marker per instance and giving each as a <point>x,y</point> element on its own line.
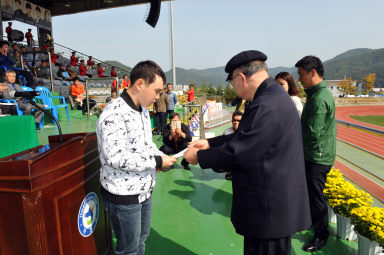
<point>243,58</point>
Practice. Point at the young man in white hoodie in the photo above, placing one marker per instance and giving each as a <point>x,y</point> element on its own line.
<point>129,158</point>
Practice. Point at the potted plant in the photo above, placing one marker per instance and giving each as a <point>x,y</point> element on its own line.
<point>334,181</point>
<point>369,225</point>
<point>348,198</point>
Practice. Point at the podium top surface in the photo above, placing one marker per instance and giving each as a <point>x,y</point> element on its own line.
<point>31,169</point>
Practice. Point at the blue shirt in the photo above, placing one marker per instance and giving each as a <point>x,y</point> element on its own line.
<point>7,61</point>
<point>172,100</point>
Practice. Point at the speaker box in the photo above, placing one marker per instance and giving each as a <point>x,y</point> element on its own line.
<point>154,12</point>
<point>17,36</point>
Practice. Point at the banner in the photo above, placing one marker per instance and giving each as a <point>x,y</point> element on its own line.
<point>26,12</point>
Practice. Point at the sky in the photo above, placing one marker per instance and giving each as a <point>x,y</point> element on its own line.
<point>209,32</point>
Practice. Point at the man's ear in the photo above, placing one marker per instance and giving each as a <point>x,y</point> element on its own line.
<point>139,84</point>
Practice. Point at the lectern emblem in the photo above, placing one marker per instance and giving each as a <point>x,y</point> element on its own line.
<point>88,214</point>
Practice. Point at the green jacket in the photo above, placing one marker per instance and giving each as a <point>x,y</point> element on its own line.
<point>319,126</point>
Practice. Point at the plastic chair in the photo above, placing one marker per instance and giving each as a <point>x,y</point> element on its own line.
<point>25,88</point>
<point>11,101</point>
<point>46,98</point>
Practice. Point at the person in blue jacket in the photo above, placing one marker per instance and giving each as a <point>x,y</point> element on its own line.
<point>7,62</point>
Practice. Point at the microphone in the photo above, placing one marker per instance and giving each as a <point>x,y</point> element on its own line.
<point>24,94</point>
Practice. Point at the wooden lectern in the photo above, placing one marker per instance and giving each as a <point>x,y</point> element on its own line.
<point>42,200</point>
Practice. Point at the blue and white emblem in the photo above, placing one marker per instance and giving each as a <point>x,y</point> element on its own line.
<point>88,214</point>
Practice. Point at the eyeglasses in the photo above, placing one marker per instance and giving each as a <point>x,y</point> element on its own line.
<point>235,120</point>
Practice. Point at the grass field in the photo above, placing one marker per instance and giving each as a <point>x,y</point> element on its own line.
<point>372,119</point>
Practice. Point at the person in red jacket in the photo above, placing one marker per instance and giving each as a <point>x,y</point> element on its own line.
<point>74,59</point>
<point>100,70</point>
<point>90,63</point>
<point>191,93</point>
<point>125,83</point>
<point>8,30</point>
<point>54,56</point>
<point>29,37</point>
<point>82,68</point>
<point>113,72</point>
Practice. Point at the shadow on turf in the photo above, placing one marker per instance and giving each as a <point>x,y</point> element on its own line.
<point>157,244</point>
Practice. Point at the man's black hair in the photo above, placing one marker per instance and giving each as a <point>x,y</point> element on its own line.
<point>146,70</point>
<point>308,63</point>
<point>28,6</point>
<point>237,113</point>
<point>4,42</point>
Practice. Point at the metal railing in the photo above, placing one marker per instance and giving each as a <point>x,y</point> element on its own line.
<point>102,89</point>
<point>380,132</point>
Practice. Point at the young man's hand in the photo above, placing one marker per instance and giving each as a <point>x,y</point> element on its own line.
<point>167,162</point>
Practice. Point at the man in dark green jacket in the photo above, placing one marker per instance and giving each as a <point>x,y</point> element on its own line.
<point>319,140</point>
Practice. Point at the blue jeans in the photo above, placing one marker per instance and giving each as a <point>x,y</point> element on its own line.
<point>131,224</point>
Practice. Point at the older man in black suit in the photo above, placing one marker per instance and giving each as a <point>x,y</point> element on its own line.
<point>270,198</point>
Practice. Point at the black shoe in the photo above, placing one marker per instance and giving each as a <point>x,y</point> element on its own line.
<point>228,176</point>
<point>315,244</point>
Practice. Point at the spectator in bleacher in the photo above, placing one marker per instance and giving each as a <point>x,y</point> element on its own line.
<point>8,30</point>
<point>16,58</point>
<point>172,99</point>
<point>7,61</point>
<point>54,56</point>
<point>100,70</point>
<point>33,58</point>
<point>125,83</point>
<point>42,71</point>
<point>287,82</point>
<point>236,118</point>
<point>113,72</point>
<point>23,49</point>
<point>160,110</point>
<point>191,93</point>
<point>82,68</point>
<point>90,63</point>
<point>71,73</point>
<point>63,74</point>
<point>74,59</point>
<point>47,45</point>
<point>114,85</point>
<point>176,138</point>
<point>29,37</point>
<point>78,95</point>
<point>15,47</point>
<point>25,106</point>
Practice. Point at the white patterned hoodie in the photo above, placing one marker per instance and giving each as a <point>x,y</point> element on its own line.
<point>128,156</point>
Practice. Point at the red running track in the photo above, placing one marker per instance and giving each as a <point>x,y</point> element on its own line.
<point>367,141</point>
<point>364,182</point>
<point>343,113</point>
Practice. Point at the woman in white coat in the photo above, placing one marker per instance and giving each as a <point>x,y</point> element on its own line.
<point>287,82</point>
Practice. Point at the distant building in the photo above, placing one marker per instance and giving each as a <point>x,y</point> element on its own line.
<point>333,86</point>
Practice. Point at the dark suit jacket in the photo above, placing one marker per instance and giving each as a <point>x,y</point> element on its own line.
<point>265,155</point>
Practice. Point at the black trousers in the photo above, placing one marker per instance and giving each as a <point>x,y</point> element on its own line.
<point>255,246</point>
<point>92,103</point>
<point>161,121</point>
<point>316,177</point>
<point>169,150</point>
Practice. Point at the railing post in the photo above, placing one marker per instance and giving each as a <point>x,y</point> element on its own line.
<point>50,71</point>
<point>86,95</point>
